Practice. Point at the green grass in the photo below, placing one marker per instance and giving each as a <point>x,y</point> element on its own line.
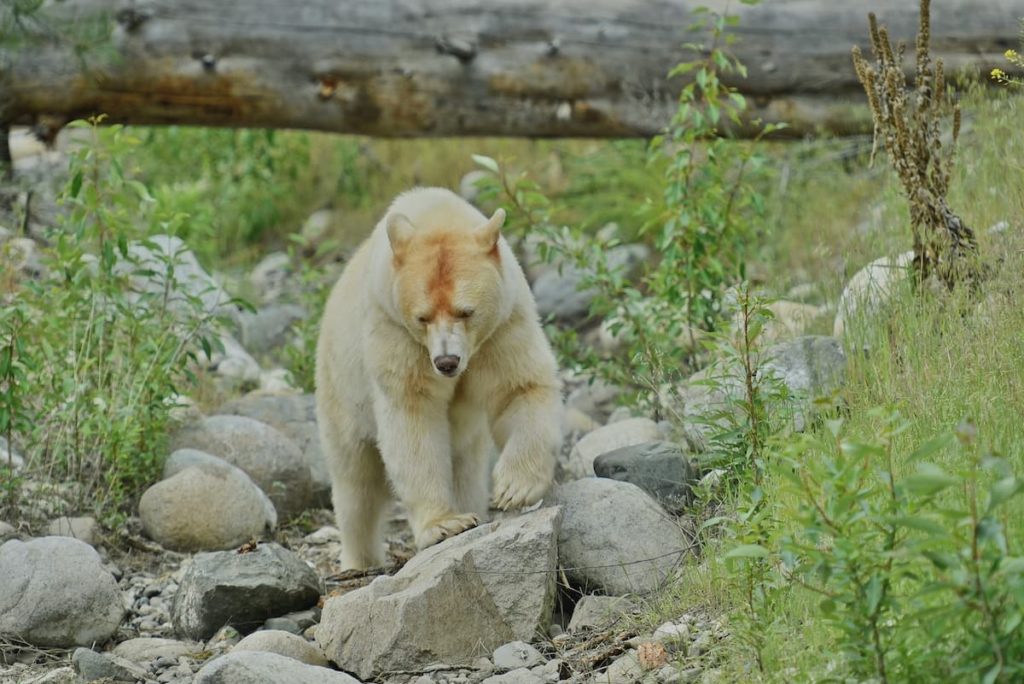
<point>937,360</point>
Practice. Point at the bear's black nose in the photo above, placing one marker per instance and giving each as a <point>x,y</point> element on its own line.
<point>447,364</point>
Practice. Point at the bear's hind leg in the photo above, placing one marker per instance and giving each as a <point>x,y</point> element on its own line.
<point>360,495</point>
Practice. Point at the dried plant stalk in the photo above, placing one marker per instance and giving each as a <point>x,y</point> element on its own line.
<point>908,124</point>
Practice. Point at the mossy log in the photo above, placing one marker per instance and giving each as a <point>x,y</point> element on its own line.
<point>405,68</point>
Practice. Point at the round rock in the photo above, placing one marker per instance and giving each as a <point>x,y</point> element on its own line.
<point>201,509</point>
<point>55,592</point>
<point>84,529</point>
<point>282,643</point>
<point>615,538</point>
<point>266,668</point>
<point>270,458</point>
<point>623,433</point>
<point>185,458</point>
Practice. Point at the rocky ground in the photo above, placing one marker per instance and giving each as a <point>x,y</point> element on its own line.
<point>228,571</point>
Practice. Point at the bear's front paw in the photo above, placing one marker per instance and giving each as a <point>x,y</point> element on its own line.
<point>517,489</point>
<point>441,529</point>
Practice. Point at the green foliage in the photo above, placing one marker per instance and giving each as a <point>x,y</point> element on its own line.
<point>25,24</point>
<point>315,283</point>
<point>917,584</point>
<point>89,396</point>
<point>701,228</point>
<point>238,186</point>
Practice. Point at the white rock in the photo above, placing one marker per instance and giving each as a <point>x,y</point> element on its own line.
<point>871,288</point>
<point>9,457</point>
<point>147,649</point>
<point>520,676</point>
<point>277,381</point>
<point>82,528</point>
<point>624,433</point>
<point>516,654</point>
<point>282,643</point>
<point>186,458</point>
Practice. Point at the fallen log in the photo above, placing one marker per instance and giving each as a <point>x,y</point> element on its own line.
<point>404,68</point>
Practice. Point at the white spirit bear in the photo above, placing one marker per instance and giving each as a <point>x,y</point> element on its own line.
<point>430,356</point>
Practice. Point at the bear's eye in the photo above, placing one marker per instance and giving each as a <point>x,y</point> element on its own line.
<point>464,313</point>
<point>423,319</point>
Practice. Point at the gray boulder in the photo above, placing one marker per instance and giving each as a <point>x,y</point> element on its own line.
<point>295,417</point>
<point>476,591</point>
<point>241,589</point>
<point>598,611</point>
<point>659,468</point>
<point>56,592</point>
<point>596,399</point>
<point>803,369</point>
<point>266,668</point>
<point>615,538</point>
<point>84,528</point>
<point>232,363</point>
<point>92,666</point>
<point>269,328</point>
<point>203,508</point>
<point>809,367</point>
<point>272,460</point>
<point>282,643</point>
<point>148,264</point>
<point>270,276</point>
<point>558,292</point>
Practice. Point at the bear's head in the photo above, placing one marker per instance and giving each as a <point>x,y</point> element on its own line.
<point>448,286</point>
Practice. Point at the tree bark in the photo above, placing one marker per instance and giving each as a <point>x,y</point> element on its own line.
<point>558,68</point>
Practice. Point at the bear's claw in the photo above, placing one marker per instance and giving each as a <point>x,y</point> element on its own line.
<point>446,527</point>
<point>510,495</point>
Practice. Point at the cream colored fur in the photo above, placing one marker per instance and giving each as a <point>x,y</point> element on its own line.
<point>390,421</point>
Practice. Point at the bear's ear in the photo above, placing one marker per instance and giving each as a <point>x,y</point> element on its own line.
<point>487,235</point>
<point>400,230</point>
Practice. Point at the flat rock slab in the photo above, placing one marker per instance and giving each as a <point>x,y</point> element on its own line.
<point>452,603</point>
<point>659,468</point>
<point>242,590</point>
<point>54,591</point>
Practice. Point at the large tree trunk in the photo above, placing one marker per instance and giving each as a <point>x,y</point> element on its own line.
<point>573,68</point>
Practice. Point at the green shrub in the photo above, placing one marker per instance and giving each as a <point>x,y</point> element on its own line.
<point>701,227</point>
<point>916,573</point>
<point>92,365</point>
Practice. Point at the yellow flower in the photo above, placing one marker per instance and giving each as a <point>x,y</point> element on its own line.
<point>998,74</point>
<point>1011,55</point>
